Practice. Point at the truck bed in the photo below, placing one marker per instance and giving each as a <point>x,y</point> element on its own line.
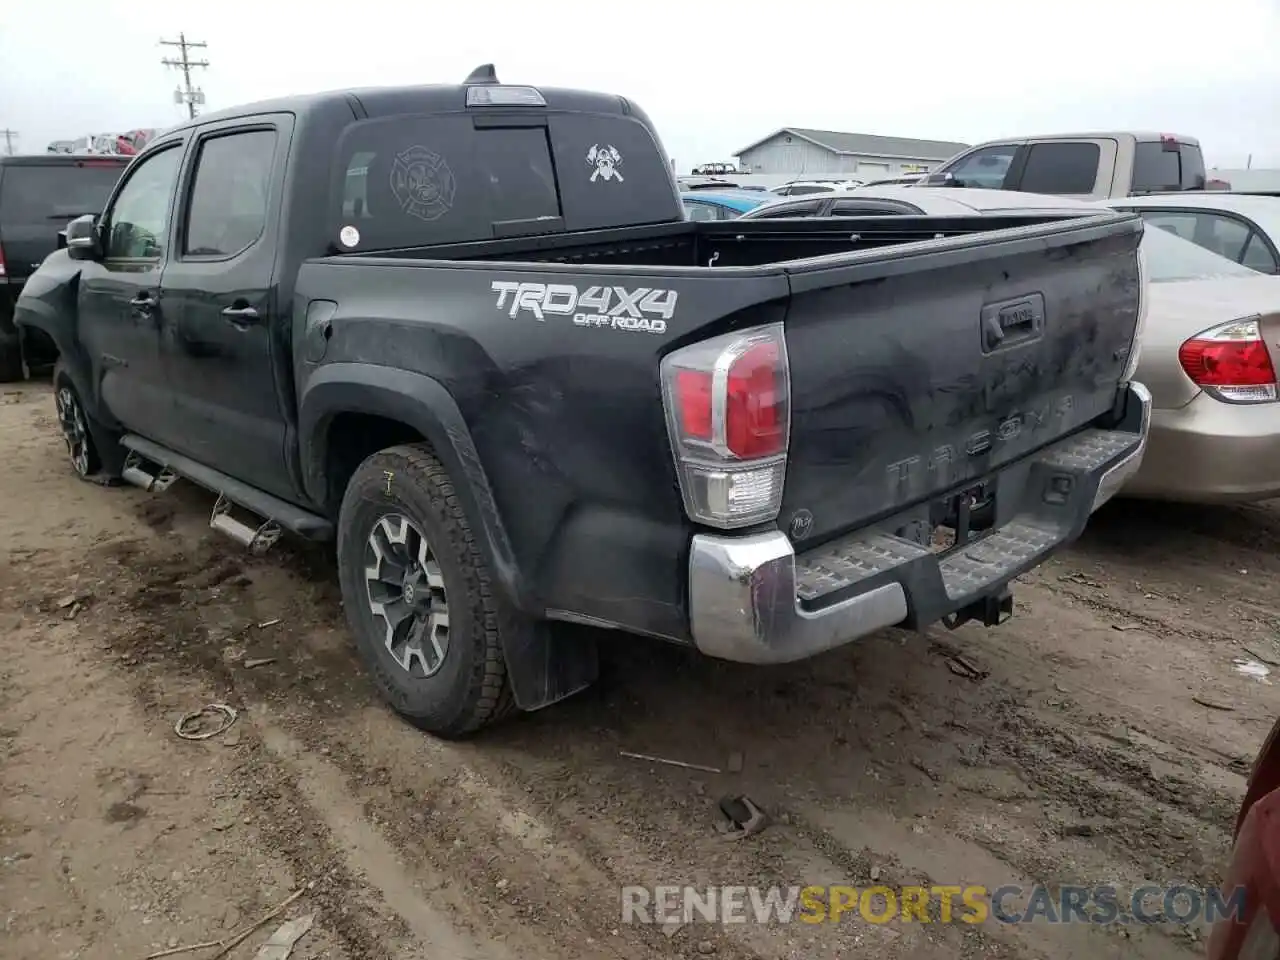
<point>927,356</point>
<point>722,244</point>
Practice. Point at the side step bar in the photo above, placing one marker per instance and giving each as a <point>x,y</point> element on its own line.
<point>154,468</point>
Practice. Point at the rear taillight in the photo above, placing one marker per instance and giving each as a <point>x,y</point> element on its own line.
<point>729,416</point>
<point>1231,362</point>
<point>2,270</point>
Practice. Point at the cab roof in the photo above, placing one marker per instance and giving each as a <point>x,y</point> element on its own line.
<point>432,98</point>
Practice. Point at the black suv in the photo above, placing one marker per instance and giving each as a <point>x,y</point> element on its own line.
<point>39,196</point>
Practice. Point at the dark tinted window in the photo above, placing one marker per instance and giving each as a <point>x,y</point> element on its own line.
<point>1157,167</point>
<point>805,190</point>
<point>418,181</point>
<point>57,192</point>
<point>1061,168</point>
<point>228,209</point>
<point>138,220</point>
<point>517,166</point>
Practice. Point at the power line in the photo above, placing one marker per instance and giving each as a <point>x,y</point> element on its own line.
<point>9,136</point>
<point>186,93</point>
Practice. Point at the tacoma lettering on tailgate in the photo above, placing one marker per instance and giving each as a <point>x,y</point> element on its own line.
<point>916,476</point>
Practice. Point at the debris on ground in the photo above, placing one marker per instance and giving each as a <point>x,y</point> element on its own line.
<point>226,944</point>
<point>670,763</point>
<point>1253,669</point>
<point>963,667</point>
<point>736,761</point>
<point>268,623</point>
<point>745,816</point>
<point>196,724</point>
<point>1126,626</point>
<point>1211,703</point>
<point>1271,660</point>
<point>281,943</point>
<point>252,662</point>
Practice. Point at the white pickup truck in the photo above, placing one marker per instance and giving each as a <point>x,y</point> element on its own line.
<point>1089,166</point>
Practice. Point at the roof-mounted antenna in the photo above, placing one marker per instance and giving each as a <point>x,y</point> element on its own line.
<point>482,74</point>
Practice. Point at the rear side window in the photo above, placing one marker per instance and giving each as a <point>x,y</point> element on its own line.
<point>1061,168</point>
<point>57,192</point>
<point>1159,167</point>
<point>228,210</point>
<point>807,189</point>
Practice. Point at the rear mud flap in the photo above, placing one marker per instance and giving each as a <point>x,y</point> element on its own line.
<point>548,662</point>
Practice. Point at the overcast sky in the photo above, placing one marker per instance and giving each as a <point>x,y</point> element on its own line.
<point>713,76</point>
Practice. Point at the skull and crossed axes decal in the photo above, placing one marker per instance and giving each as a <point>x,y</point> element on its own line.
<point>606,161</point>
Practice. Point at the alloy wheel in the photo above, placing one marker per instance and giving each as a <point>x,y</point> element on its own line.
<point>406,593</point>
<point>75,431</point>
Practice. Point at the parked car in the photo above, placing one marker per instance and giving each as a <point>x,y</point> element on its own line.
<point>502,369</point>
<point>797,188</point>
<point>889,200</point>
<point>1088,166</point>
<point>1241,227</point>
<point>1255,866</point>
<point>904,180</point>
<point>1215,426</point>
<point>1215,429</point>
<point>723,205</point>
<point>39,195</point>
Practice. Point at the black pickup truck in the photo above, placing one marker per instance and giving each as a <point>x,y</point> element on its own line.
<point>466,332</point>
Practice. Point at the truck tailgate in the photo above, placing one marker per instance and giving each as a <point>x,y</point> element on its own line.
<point>920,370</point>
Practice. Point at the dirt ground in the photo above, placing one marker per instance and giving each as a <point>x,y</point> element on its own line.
<point>1075,754</point>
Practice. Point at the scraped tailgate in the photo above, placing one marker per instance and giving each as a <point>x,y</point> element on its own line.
<point>923,368</point>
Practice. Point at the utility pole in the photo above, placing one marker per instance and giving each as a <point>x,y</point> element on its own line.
<point>186,93</point>
<point>9,136</point>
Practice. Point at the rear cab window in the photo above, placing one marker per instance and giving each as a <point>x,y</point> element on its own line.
<point>43,194</point>
<point>1161,166</point>
<point>460,178</point>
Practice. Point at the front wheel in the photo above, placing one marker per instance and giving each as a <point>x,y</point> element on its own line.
<point>418,594</point>
<point>73,422</point>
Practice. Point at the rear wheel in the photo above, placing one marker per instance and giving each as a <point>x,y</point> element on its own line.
<point>417,594</point>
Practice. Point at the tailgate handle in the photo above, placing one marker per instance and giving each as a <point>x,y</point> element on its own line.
<point>1011,323</point>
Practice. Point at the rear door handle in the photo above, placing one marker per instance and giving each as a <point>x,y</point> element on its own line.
<point>241,316</point>
<point>144,301</point>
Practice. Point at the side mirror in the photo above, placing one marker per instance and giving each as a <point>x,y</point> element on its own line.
<point>82,238</point>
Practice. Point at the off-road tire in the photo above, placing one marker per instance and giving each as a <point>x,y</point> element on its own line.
<point>470,690</point>
<point>98,439</point>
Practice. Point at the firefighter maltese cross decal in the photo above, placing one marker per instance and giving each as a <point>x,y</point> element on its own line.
<point>422,183</point>
<point>606,161</point>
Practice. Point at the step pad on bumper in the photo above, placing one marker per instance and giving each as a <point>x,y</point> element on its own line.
<point>998,555</point>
